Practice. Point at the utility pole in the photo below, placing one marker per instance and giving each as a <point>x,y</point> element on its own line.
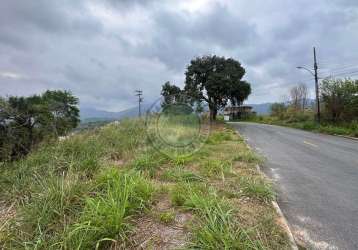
<point>317,87</point>
<point>315,74</point>
<point>139,93</point>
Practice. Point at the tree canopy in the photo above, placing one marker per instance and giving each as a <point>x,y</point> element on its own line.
<point>170,92</point>
<point>216,80</point>
<point>27,121</point>
<point>340,99</point>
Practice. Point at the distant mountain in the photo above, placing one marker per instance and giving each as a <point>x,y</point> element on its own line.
<point>262,108</point>
<point>90,115</point>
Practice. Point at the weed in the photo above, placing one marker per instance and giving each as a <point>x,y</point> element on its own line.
<point>217,137</point>
<point>167,217</point>
<point>52,208</point>
<point>257,187</point>
<point>181,160</point>
<point>105,216</point>
<point>247,156</point>
<point>218,228</point>
<point>216,168</point>
<point>179,174</point>
<point>148,162</point>
<point>180,192</point>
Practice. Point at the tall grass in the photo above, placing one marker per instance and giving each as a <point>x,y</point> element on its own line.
<point>104,219</point>
<point>87,191</point>
<point>217,226</point>
<point>58,182</point>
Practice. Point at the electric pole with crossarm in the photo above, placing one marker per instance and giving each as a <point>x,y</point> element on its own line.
<point>139,93</point>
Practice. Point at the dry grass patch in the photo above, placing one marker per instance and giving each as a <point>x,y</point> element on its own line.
<point>163,227</point>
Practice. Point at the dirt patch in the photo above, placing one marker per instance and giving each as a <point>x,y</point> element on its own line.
<point>152,233</point>
<point>6,213</point>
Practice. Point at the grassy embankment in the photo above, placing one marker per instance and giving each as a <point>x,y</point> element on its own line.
<point>307,123</point>
<point>109,189</point>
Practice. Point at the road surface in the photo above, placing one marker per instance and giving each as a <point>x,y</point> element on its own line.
<point>317,182</point>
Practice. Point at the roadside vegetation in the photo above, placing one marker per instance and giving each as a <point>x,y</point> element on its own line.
<point>26,122</point>
<point>339,109</point>
<point>108,188</point>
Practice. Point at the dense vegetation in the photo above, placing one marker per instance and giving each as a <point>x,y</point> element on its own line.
<point>339,109</point>
<point>109,188</point>
<point>27,121</point>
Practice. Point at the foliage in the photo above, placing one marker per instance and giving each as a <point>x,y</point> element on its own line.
<point>216,80</point>
<point>27,121</point>
<point>170,93</point>
<point>340,99</point>
<point>278,109</point>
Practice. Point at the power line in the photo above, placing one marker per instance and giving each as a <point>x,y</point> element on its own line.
<point>351,73</point>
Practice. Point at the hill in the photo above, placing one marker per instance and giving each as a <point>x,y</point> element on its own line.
<point>95,115</point>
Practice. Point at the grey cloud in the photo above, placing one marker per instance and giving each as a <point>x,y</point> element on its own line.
<point>103,54</point>
<point>181,36</point>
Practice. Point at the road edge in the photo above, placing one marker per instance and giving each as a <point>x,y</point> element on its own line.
<point>282,218</point>
<point>347,137</point>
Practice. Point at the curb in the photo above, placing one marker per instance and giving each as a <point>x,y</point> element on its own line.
<point>347,137</point>
<point>285,226</point>
<point>282,218</point>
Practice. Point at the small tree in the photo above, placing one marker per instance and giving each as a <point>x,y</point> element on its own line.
<point>299,97</point>
<point>170,92</point>
<point>216,80</point>
<point>63,108</point>
<point>340,99</point>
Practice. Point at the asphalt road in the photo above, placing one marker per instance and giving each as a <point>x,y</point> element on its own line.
<point>317,182</point>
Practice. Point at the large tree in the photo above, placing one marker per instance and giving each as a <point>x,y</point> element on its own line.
<point>216,80</point>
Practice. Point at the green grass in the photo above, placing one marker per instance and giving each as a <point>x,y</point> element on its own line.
<point>105,217</point>
<point>256,187</point>
<point>217,137</point>
<point>218,168</point>
<point>88,191</point>
<point>217,227</point>
<point>167,217</point>
<point>178,174</point>
<point>248,156</point>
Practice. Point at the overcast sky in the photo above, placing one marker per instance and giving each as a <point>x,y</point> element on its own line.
<point>103,50</point>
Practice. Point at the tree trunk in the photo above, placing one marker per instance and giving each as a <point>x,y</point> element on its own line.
<point>213,113</point>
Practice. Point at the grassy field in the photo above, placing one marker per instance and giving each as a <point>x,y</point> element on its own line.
<point>348,129</point>
<point>109,188</point>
